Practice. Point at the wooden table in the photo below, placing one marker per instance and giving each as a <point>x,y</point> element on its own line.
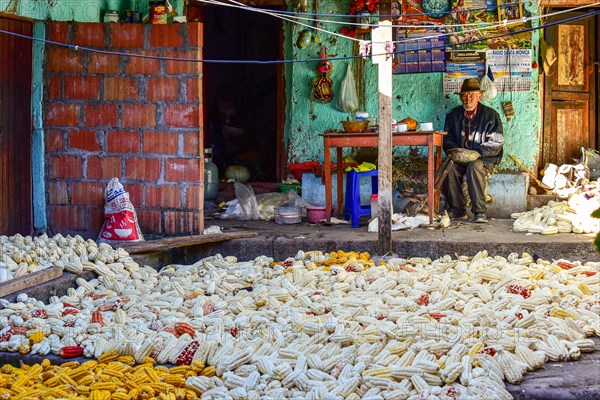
<point>432,139</point>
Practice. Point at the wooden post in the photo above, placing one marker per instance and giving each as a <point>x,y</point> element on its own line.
<point>200,134</point>
<point>383,35</point>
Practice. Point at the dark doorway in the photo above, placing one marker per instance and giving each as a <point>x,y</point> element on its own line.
<point>15,127</point>
<point>241,100</point>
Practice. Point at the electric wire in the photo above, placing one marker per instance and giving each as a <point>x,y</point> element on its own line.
<point>307,60</point>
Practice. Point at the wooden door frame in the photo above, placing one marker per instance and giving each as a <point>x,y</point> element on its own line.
<point>593,82</point>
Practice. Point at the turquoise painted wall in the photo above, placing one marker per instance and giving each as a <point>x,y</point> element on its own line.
<point>419,96</point>
<point>77,10</point>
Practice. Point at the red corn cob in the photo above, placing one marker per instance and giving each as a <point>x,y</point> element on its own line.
<point>423,299</point>
<point>40,313</point>
<point>184,327</point>
<point>187,354</point>
<point>71,351</point>
<point>98,318</point>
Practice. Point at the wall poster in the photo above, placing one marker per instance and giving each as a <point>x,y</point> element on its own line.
<point>511,69</point>
<point>419,50</point>
<point>461,65</point>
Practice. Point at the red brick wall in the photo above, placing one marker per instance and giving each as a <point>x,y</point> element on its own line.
<point>137,119</point>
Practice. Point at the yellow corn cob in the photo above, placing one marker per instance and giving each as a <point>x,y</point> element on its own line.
<point>45,363</point>
<point>109,356</point>
<point>476,348</point>
<point>36,337</point>
<point>131,384</point>
<point>190,373</point>
<point>91,364</point>
<point>167,396</point>
<point>175,380</point>
<point>161,369</point>
<point>151,374</point>
<point>29,393</point>
<point>556,269</point>
<point>560,313</point>
<point>66,380</point>
<point>69,364</point>
<point>197,365</point>
<point>128,360</point>
<point>82,389</point>
<point>539,274</point>
<point>24,348</point>
<point>158,387</point>
<point>77,373</point>
<point>179,393</point>
<point>585,289</point>
<point>113,373</point>
<point>121,396</point>
<point>34,371</point>
<point>146,390</point>
<point>182,369</point>
<point>85,380</point>
<point>104,386</point>
<point>209,371</point>
<point>20,382</point>
<point>99,395</point>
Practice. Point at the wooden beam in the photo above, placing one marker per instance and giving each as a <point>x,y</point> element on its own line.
<point>153,246</point>
<point>23,282</point>
<point>384,236</point>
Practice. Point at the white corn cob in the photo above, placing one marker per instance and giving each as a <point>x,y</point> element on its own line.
<point>529,357</point>
<point>466,373</point>
<point>420,385</point>
<point>400,373</point>
<point>451,372</point>
<point>510,366</point>
<point>585,345</point>
<point>199,384</point>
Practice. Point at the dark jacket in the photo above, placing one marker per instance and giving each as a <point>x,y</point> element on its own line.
<point>486,135</point>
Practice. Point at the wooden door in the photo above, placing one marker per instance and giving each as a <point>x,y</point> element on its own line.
<point>15,127</point>
<point>570,92</point>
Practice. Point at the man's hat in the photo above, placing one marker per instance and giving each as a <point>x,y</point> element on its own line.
<point>470,85</point>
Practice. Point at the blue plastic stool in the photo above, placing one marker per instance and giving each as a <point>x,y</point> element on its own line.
<point>353,210</point>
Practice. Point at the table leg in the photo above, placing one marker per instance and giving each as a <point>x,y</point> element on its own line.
<point>340,182</point>
<point>327,177</point>
<point>430,177</point>
<point>438,162</point>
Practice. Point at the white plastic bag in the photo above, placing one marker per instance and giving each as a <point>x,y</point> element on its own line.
<point>348,99</point>
<point>488,88</point>
<point>120,220</point>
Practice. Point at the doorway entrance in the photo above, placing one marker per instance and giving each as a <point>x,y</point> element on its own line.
<point>571,90</point>
<point>243,101</point>
<point>16,214</point>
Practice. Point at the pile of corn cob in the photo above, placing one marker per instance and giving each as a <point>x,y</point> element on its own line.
<point>318,325</point>
<point>111,377</point>
<point>573,215</point>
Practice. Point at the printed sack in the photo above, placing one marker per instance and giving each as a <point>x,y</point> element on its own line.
<point>120,220</point>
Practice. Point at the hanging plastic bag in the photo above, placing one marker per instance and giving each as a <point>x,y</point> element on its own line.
<point>348,99</point>
<point>488,89</point>
<point>120,220</point>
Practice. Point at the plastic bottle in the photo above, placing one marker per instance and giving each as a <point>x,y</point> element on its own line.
<point>211,176</point>
<point>374,205</point>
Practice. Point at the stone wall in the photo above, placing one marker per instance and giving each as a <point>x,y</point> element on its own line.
<point>112,115</point>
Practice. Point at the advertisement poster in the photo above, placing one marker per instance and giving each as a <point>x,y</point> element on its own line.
<point>484,30</point>
<point>511,69</point>
<point>461,65</point>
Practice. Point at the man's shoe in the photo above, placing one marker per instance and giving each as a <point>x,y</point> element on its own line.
<point>481,218</point>
<point>457,216</point>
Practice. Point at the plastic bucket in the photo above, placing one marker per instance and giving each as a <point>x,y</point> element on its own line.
<point>315,214</point>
